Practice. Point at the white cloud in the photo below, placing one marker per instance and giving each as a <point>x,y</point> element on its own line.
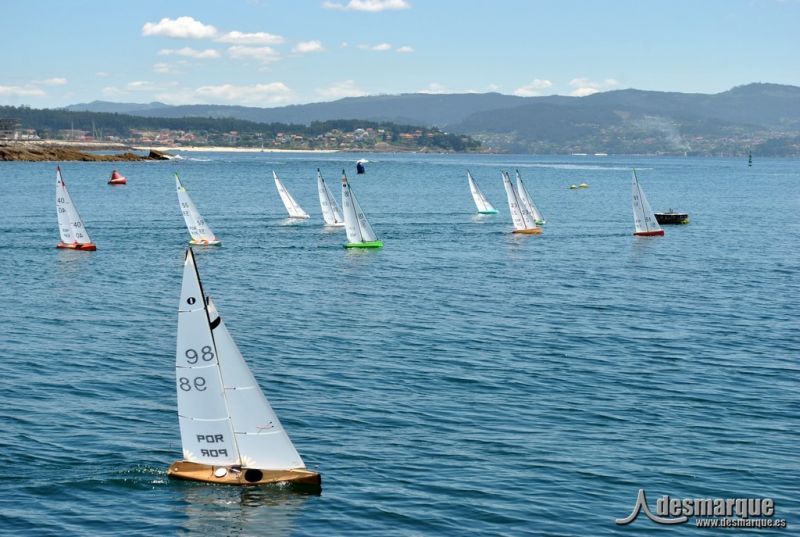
<point>102,74</point>
<point>189,52</point>
<point>493,87</point>
<point>380,47</point>
<point>257,38</point>
<point>434,87</point>
<point>372,6</point>
<point>163,68</point>
<point>338,90</point>
<point>21,91</point>
<point>271,93</point>
<point>262,54</point>
<point>55,81</point>
<point>405,48</point>
<point>584,86</point>
<point>304,47</point>
<point>182,28</point>
<point>533,88</point>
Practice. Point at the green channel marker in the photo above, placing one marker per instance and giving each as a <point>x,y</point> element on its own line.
<point>370,244</point>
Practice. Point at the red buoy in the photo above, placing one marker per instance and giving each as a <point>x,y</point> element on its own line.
<point>117,179</point>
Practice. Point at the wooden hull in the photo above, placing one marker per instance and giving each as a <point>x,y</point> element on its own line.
<point>530,231</point>
<point>222,475</point>
<point>89,247</point>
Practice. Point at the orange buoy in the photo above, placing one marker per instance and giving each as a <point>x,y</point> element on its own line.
<point>117,179</point>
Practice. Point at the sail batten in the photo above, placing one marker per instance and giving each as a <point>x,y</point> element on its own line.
<point>292,207</point>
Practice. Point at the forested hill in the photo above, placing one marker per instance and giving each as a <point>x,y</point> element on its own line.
<point>760,117</point>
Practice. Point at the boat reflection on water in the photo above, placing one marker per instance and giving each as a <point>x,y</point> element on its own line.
<point>269,510</point>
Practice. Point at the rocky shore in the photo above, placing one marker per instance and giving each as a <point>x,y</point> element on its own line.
<point>52,152</point>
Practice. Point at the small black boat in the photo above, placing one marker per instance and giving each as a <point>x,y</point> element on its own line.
<point>671,217</point>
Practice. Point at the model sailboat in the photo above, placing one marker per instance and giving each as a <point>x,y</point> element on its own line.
<point>643,218</point>
<point>295,211</point>
<point>484,207</point>
<point>73,233</point>
<point>527,201</point>
<point>200,231</point>
<point>229,432</point>
<point>524,223</point>
<point>359,232</point>
<point>330,209</point>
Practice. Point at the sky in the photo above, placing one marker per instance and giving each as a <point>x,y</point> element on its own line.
<point>279,52</point>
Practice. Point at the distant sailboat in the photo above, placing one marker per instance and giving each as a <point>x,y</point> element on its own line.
<point>359,232</point>
<point>330,209</point>
<point>117,179</point>
<point>73,233</point>
<point>527,201</point>
<point>523,220</point>
<point>643,218</point>
<point>229,432</point>
<point>200,231</point>
<point>294,209</point>
<point>484,207</point>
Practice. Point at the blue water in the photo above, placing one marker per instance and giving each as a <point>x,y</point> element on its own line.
<point>460,381</point>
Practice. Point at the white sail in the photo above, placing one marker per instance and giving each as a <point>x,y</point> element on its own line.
<point>480,200</point>
<point>355,222</point>
<point>70,224</point>
<point>330,209</point>
<point>527,200</point>
<point>198,228</point>
<point>294,209</point>
<point>520,215</point>
<point>643,218</point>
<point>224,417</point>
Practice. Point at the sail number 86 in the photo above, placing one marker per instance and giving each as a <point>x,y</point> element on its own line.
<point>206,354</point>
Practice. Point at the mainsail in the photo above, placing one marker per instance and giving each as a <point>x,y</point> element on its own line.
<point>225,419</point>
<point>527,200</point>
<point>294,209</point>
<point>200,231</point>
<point>330,209</point>
<point>359,231</point>
<point>643,218</point>
<point>480,199</point>
<point>70,225</point>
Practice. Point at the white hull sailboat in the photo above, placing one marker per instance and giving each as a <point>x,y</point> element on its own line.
<point>200,231</point>
<point>229,432</point>
<point>644,220</point>
<point>483,205</point>
<point>527,201</point>
<point>359,232</point>
<point>294,209</point>
<point>522,218</point>
<point>70,225</point>
<point>330,209</point>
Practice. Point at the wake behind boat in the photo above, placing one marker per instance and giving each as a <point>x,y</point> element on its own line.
<point>330,209</point>
<point>359,231</point>
<point>523,220</point>
<point>229,432</point>
<point>484,207</point>
<point>294,209</point>
<point>70,225</point>
<point>643,218</point>
<point>200,231</point>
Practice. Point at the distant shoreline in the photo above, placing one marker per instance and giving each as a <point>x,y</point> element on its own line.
<point>225,149</point>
